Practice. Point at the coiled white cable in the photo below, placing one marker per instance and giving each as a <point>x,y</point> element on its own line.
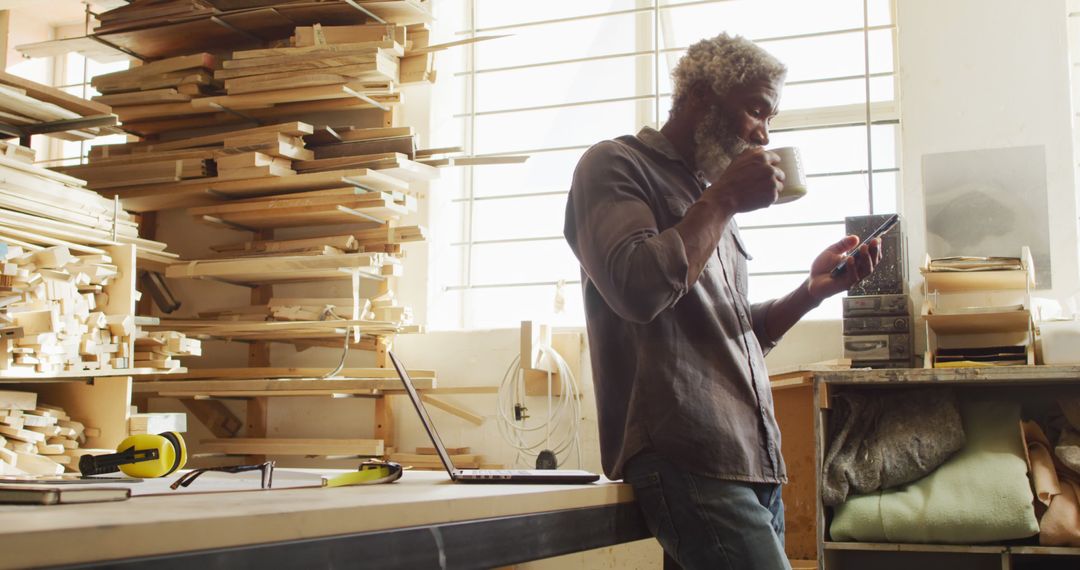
<point>561,426</point>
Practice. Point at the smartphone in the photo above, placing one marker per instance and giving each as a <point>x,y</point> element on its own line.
<point>853,252</point>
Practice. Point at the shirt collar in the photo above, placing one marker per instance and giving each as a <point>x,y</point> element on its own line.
<point>656,140</point>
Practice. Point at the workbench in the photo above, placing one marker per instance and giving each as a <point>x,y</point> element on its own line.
<point>421,521</point>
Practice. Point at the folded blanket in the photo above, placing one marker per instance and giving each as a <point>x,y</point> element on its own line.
<point>981,494</point>
<point>886,439</point>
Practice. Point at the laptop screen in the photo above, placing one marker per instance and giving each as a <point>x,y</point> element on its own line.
<point>424,418</point>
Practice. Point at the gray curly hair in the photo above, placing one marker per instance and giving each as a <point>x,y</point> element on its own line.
<point>722,63</point>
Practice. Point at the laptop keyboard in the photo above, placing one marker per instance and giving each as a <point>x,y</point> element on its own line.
<point>493,473</point>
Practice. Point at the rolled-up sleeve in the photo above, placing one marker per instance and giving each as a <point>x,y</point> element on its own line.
<point>759,315</point>
<point>637,269</point>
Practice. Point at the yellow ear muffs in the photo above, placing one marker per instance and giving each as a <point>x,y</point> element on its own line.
<point>143,456</point>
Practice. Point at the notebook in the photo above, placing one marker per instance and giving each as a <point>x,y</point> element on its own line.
<point>568,476</point>
<point>60,495</point>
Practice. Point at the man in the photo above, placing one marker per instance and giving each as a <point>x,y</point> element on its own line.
<point>685,410</point>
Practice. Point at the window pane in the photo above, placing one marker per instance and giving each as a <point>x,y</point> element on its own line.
<point>532,217</point>
<point>840,149</point>
<point>565,83</point>
<point>565,40</point>
<point>820,57</point>
<point>94,68</point>
<point>828,199</point>
<point>543,172</point>
<point>886,188</point>
<point>765,287</point>
<point>491,307</point>
<point>523,262</point>
<point>758,19</point>
<point>491,13</point>
<point>553,128</point>
<point>847,92</point>
<point>789,249</point>
<point>73,69</point>
<point>454,218</point>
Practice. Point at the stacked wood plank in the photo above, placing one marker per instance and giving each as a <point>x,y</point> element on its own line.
<point>161,28</point>
<point>171,80</point>
<point>58,316</point>
<point>297,131</point>
<point>38,439</point>
<point>32,106</point>
<point>41,208</point>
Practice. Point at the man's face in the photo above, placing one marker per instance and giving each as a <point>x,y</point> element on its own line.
<point>734,123</point>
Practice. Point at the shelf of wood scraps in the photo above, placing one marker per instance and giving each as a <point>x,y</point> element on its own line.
<point>288,269</point>
<point>335,387</point>
<point>208,191</point>
<point>287,331</point>
<point>10,376</point>
<point>191,28</point>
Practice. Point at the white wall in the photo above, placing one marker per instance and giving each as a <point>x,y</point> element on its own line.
<point>983,74</point>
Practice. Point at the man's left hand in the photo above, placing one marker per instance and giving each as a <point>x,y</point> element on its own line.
<point>822,285</point>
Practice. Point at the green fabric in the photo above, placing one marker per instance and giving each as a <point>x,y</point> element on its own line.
<point>981,494</point>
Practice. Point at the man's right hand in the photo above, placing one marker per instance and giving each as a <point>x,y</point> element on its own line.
<point>752,181</point>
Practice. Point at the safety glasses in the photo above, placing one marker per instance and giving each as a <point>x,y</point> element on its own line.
<point>266,468</point>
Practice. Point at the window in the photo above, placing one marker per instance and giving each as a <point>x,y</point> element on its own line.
<point>73,75</point>
<point>573,73</point>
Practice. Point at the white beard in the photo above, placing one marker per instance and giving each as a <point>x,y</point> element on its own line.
<point>717,145</point>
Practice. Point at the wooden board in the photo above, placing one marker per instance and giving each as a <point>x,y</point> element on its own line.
<point>152,96</point>
<point>330,35</point>
<point>794,410</point>
<point>260,373</point>
<point>55,96</point>
<point>203,192</point>
<point>274,56</point>
<point>268,446</point>
<point>222,388</point>
<point>312,61</point>
<point>269,98</point>
<point>405,145</point>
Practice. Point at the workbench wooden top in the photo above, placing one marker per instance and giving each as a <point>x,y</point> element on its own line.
<point>154,525</point>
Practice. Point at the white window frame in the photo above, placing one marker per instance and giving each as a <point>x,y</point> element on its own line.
<point>868,114</point>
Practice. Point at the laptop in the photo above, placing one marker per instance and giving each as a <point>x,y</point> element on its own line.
<point>567,476</point>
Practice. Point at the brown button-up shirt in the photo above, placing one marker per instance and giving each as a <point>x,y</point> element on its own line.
<point>679,370</point>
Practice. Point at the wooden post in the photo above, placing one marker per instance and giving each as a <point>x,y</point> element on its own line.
<point>384,423</point>
<point>258,409</point>
<point>384,412</point>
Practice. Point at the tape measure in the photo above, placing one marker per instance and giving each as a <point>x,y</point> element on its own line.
<point>369,473</point>
<point>142,456</point>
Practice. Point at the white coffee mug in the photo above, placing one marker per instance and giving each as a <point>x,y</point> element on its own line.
<point>794,175</point>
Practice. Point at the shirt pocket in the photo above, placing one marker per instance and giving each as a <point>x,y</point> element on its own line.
<point>741,274</point>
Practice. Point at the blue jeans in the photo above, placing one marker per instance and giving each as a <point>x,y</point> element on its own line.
<point>709,523</point>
